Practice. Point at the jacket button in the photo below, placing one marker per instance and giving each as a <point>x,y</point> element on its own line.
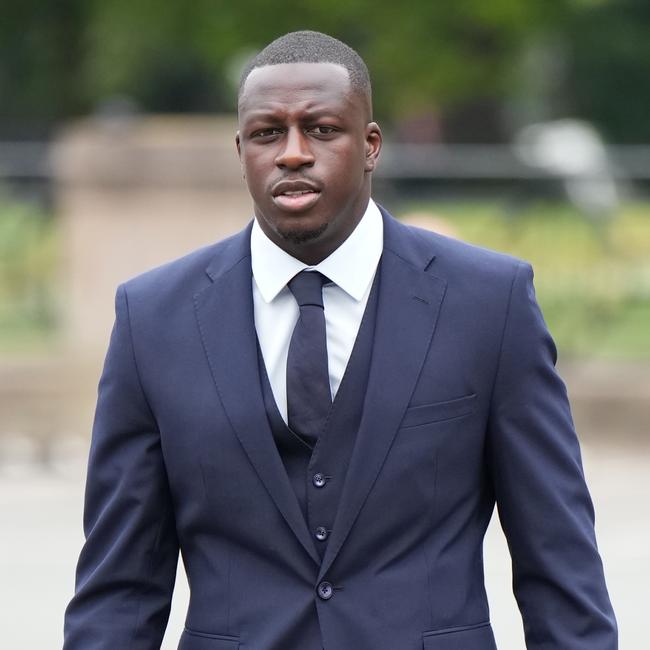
<point>325,591</point>
<point>318,480</point>
<point>321,534</point>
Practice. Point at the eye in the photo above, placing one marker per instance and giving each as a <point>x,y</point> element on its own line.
<point>268,132</point>
<point>322,129</point>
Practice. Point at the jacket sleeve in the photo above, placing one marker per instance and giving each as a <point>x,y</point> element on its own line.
<point>543,502</point>
<point>127,567</point>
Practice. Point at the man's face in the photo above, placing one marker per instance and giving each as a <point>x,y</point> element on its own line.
<point>307,150</point>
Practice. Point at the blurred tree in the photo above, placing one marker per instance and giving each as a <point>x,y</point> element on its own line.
<point>152,52</point>
<point>41,55</point>
<point>451,61</point>
<point>453,57</point>
<point>609,82</point>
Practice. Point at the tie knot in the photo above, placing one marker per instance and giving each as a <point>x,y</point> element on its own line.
<point>307,288</point>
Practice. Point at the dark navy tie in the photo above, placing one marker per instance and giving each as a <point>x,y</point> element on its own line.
<point>308,386</point>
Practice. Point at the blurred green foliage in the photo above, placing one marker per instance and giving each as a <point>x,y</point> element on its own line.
<point>452,58</point>
<point>28,274</point>
<point>592,278</point>
<point>609,79</point>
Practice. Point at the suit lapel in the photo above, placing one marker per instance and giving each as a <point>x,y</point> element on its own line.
<point>225,315</point>
<point>409,302</point>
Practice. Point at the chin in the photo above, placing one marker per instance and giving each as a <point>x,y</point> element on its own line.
<point>302,235</point>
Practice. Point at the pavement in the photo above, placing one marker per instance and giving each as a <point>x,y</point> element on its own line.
<point>40,538</point>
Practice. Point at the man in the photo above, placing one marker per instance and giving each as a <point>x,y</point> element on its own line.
<point>321,411</point>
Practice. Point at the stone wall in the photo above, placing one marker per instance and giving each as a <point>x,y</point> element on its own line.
<point>133,193</point>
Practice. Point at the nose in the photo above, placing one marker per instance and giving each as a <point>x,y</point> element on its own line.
<point>296,152</point>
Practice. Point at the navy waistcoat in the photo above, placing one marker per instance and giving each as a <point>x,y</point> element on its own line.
<point>317,475</point>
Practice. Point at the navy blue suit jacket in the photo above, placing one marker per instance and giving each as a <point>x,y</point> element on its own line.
<point>463,408</point>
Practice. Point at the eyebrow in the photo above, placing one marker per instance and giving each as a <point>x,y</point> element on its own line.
<point>309,114</point>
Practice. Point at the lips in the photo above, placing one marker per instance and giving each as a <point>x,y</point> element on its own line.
<point>295,196</point>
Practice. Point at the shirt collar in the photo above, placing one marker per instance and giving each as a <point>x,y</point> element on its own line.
<point>351,266</point>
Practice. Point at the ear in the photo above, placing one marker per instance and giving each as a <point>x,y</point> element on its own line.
<point>241,162</point>
<point>374,140</point>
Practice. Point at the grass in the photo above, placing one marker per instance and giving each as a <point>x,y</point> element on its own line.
<point>29,246</point>
<point>592,278</point>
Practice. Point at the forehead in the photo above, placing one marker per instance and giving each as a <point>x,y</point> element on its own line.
<point>290,84</point>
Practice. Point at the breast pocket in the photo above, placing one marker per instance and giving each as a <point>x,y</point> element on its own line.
<point>438,411</point>
<point>192,640</point>
<point>469,637</point>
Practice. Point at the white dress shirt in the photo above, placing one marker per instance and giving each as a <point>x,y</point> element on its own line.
<point>351,268</point>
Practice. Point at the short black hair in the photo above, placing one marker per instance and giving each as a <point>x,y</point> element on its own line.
<point>311,47</point>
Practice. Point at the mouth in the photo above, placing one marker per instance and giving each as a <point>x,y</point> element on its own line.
<point>295,196</point>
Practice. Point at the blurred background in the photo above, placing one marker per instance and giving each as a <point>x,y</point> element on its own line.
<point>520,125</point>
